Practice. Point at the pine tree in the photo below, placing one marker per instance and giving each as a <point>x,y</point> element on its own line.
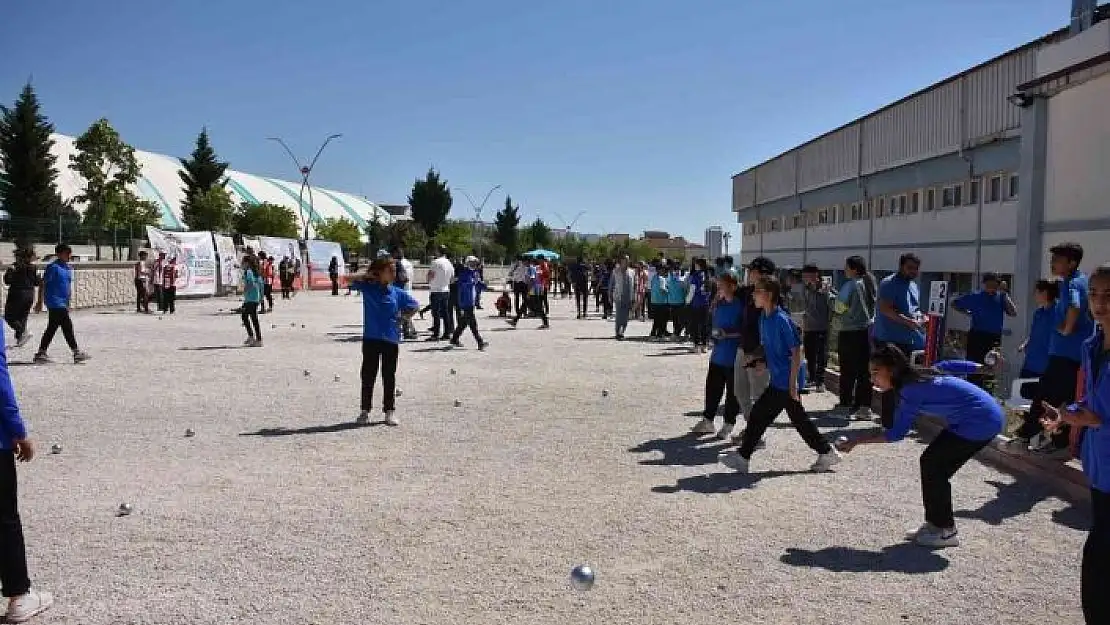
<point>200,172</point>
<point>430,202</point>
<point>30,192</point>
<point>505,225</point>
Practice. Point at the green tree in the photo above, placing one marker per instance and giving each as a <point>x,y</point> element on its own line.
<point>539,234</point>
<point>200,172</point>
<point>505,228</point>
<point>131,213</point>
<point>456,237</point>
<point>271,220</point>
<point>430,202</point>
<point>29,190</point>
<point>340,230</point>
<point>108,166</point>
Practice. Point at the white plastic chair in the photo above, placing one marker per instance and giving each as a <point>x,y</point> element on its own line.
<point>1015,401</point>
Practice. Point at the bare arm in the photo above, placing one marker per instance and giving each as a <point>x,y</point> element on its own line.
<point>1068,325</point>
<point>795,367</point>
<point>886,308</point>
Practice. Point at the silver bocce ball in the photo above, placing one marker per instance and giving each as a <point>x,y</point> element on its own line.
<point>458,403</point>
<point>337,378</point>
<point>453,372</point>
<point>55,449</point>
<point>582,577</point>
<point>307,373</point>
<point>189,433</point>
<point>840,441</point>
<point>125,509</point>
<point>605,393</point>
<point>397,393</point>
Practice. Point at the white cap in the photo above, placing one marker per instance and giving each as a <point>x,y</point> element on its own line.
<point>471,260</point>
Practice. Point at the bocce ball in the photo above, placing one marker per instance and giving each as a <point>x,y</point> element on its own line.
<point>605,393</point>
<point>55,449</point>
<point>125,509</point>
<point>458,404</point>
<point>582,577</point>
<point>189,433</point>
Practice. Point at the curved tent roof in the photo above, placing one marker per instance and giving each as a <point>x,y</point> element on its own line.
<point>159,183</point>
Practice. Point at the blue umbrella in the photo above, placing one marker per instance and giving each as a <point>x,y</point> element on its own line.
<point>548,254</point>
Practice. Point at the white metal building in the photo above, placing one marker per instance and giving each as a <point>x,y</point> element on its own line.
<point>159,183</point>
<point>714,242</point>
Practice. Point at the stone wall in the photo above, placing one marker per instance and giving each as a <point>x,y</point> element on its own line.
<point>100,284</point>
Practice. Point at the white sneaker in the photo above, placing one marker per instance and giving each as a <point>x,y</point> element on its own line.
<point>705,426</point>
<point>363,417</point>
<point>29,606</point>
<point>925,527</point>
<point>725,430</point>
<point>938,537</point>
<point>863,414</point>
<point>391,418</point>
<point>734,461</point>
<point>825,462</point>
<point>23,340</point>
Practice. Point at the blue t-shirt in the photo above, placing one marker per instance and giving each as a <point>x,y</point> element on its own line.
<point>1073,294</point>
<point>699,285</point>
<point>778,337</point>
<point>252,287</point>
<point>468,285</point>
<point>12,427</point>
<point>967,410</point>
<point>1095,452</point>
<point>658,289</point>
<point>987,311</point>
<point>381,310</point>
<point>906,298</point>
<point>57,278</point>
<point>676,289</point>
<point>1040,334</point>
<point>534,282</point>
<point>727,317</point>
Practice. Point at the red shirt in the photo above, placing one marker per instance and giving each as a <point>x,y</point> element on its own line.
<point>268,271</point>
<point>169,276</point>
<point>545,274</point>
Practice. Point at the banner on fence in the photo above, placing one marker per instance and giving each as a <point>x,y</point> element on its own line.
<point>320,254</point>
<point>196,258</point>
<point>229,261</point>
<point>278,248</point>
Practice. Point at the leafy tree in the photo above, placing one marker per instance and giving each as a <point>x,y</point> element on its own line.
<point>200,172</point>
<point>430,202</point>
<point>505,225</point>
<point>340,230</point>
<point>456,237</point>
<point>29,190</point>
<point>108,167</point>
<point>130,212</point>
<point>271,220</point>
<point>539,234</point>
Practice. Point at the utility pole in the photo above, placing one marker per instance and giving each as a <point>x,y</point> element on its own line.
<point>475,240</point>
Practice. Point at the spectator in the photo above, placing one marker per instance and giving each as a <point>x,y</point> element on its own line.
<point>987,309</point>
<point>817,299</point>
<point>856,305</point>
<point>899,320</point>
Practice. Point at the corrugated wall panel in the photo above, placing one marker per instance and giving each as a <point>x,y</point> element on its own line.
<point>922,127</point>
<point>830,159</point>
<point>777,178</point>
<point>743,190</point>
<point>989,113</point>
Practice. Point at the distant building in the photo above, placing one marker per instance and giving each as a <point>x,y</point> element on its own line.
<point>715,242</point>
<point>400,212</point>
<point>673,247</point>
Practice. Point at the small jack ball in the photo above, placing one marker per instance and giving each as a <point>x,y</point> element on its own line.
<point>125,509</point>
<point>582,577</point>
<point>336,378</point>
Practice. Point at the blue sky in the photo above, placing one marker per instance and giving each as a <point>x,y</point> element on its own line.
<point>636,112</point>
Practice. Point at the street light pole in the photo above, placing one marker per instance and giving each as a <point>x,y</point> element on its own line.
<point>305,171</point>
<point>726,236</point>
<point>478,208</point>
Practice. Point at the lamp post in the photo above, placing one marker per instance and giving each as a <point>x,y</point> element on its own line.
<point>478,208</point>
<point>726,236</point>
<point>570,224</point>
<point>305,171</point>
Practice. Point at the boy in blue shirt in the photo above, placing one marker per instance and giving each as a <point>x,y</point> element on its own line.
<point>1092,413</point>
<point>383,306</point>
<point>728,312</point>
<point>56,292</point>
<point>468,285</point>
<point>899,320</point>
<point>1035,347</point>
<point>676,299</point>
<point>658,303</point>
<point>988,309</point>
<point>782,352</point>
<point>23,602</point>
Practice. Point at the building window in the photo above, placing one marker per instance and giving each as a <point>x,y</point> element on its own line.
<point>776,225</point>
<point>880,211</point>
<point>915,202</point>
<point>749,229</point>
<point>1012,191</point>
<point>957,195</point>
<point>947,197</point>
<point>973,192</point>
<point>994,190</point>
<point>798,221</point>
<point>898,205</point>
<point>823,216</point>
<point>857,211</point>
<point>930,199</point>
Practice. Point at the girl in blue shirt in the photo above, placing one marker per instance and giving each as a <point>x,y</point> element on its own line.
<point>698,300</point>
<point>728,311</point>
<point>252,299</point>
<point>1091,414</point>
<point>383,306</point>
<point>782,355</point>
<point>658,306</point>
<point>972,419</point>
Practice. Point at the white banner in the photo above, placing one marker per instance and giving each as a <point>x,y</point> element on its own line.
<point>320,254</point>
<point>278,247</point>
<point>252,242</point>
<point>229,261</point>
<point>196,258</point>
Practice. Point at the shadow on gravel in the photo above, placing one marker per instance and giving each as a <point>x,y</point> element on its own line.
<point>721,483</point>
<point>445,347</point>
<point>901,558</point>
<point>209,348</point>
<point>684,352</point>
<point>1019,498</point>
<point>353,338</point>
<point>697,413</point>
<point>313,429</point>
<point>627,339</point>
<point>681,451</point>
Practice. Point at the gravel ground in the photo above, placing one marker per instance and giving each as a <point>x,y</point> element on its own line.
<point>278,511</point>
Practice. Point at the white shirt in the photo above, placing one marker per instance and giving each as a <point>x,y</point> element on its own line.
<point>442,273</point>
<point>406,264</point>
<point>519,273</point>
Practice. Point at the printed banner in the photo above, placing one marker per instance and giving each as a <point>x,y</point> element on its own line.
<point>229,261</point>
<point>251,242</point>
<point>278,248</point>
<point>320,254</point>
<point>196,258</point>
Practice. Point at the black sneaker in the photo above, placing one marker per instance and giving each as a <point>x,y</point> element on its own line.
<point>482,346</point>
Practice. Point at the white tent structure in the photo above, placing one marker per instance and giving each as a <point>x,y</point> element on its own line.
<point>160,184</point>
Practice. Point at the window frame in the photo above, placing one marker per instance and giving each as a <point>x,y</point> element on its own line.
<point>915,203</point>
<point>930,200</point>
<point>994,190</point>
<point>1013,186</point>
<point>974,191</point>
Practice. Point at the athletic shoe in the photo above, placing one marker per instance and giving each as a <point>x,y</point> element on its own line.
<point>249,342</point>
<point>28,606</point>
<point>80,356</point>
<point>482,346</point>
<point>257,343</point>
<point>23,340</point>
<point>705,426</point>
<point>938,537</point>
<point>925,527</point>
<point>826,461</point>
<point>863,414</point>
<point>734,461</point>
<point>546,326</point>
<point>456,344</point>
<point>726,429</point>
<point>1018,443</point>
<point>363,417</point>
<point>41,359</point>
<point>511,322</point>
<point>820,388</point>
<point>391,418</point>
